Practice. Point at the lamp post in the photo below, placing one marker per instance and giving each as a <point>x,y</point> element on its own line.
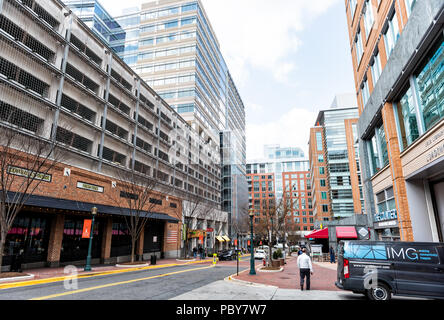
<point>252,270</point>
<point>88,258</point>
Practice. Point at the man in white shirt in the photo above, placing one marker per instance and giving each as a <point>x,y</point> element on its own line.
<point>305,268</point>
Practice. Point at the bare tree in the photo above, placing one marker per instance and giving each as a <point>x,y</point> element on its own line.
<point>241,225</point>
<point>136,197</point>
<point>25,163</point>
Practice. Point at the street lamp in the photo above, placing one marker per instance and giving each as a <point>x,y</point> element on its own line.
<point>252,270</point>
<point>88,258</point>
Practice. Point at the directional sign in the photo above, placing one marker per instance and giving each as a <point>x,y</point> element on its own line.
<point>86,229</point>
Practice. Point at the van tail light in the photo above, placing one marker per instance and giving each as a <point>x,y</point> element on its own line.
<point>346,269</point>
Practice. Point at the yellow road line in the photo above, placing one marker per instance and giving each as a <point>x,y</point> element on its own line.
<point>116,284</point>
<point>84,276</point>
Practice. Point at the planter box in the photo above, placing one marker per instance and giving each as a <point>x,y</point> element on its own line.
<point>275,263</point>
<point>281,261</point>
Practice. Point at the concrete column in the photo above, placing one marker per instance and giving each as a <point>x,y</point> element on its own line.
<point>106,241</point>
<point>55,241</point>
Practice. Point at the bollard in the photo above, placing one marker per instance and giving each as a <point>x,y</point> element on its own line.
<point>214,258</point>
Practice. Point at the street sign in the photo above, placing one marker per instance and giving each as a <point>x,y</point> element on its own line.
<point>86,229</point>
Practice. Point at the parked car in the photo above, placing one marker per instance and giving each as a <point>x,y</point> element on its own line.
<point>260,254</point>
<point>381,269</point>
<point>227,255</point>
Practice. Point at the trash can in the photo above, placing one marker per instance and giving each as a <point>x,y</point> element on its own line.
<point>16,263</point>
<point>153,260</point>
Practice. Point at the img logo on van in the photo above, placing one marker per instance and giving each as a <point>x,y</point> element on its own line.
<point>399,252</point>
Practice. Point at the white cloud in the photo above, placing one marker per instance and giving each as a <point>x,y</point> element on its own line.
<point>291,130</point>
<point>261,33</point>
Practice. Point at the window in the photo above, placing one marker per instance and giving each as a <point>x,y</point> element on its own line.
<point>408,125</point>
<point>369,18</point>
<point>325,208</point>
<point>322,182</point>
<point>321,170</point>
<point>391,34</point>
<point>71,139</point>
<point>358,45</point>
<point>365,92</point>
<point>376,68</point>
<point>386,200</point>
<point>409,4</point>
<point>377,149</point>
<point>352,4</point>
<point>321,158</point>
<point>319,141</point>
<point>324,195</point>
<point>430,85</point>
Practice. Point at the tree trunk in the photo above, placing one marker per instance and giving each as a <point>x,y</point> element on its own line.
<point>2,246</point>
<point>133,244</point>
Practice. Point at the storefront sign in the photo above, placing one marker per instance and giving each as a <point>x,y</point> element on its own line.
<point>210,229</point>
<point>386,224</point>
<point>22,172</point>
<point>89,187</point>
<point>386,215</point>
<point>436,153</point>
<point>86,229</point>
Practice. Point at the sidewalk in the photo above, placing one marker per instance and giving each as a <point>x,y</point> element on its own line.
<point>323,278</point>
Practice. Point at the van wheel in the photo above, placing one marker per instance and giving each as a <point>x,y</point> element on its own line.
<point>380,292</point>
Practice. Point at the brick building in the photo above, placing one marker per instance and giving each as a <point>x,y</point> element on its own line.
<point>398,56</point>
<point>60,82</point>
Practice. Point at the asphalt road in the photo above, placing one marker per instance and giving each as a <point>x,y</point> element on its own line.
<point>156,284</point>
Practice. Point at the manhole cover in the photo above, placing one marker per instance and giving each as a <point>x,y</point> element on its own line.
<point>285,278</point>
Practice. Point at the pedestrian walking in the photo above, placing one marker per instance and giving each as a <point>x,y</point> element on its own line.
<point>194,252</point>
<point>305,269</point>
<point>201,252</point>
<point>332,255</point>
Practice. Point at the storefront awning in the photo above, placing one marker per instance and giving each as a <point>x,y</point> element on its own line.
<point>346,233</point>
<point>62,204</point>
<point>318,234</point>
<point>220,238</point>
<point>226,238</point>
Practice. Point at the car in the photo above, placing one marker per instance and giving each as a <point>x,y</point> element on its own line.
<point>380,269</point>
<point>226,255</point>
<point>260,254</point>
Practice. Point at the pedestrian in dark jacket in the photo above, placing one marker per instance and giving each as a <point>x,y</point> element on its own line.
<point>201,252</point>
<point>332,255</point>
<point>194,252</point>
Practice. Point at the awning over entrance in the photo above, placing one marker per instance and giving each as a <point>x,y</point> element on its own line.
<point>318,234</point>
<point>346,233</point>
<point>62,204</point>
<point>220,238</point>
<point>226,238</point>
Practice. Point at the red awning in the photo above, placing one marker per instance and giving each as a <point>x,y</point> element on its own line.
<point>346,233</point>
<point>318,234</point>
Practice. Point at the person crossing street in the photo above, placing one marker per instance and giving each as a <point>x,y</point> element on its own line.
<point>305,269</point>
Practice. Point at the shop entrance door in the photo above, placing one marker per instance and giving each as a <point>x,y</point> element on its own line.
<point>438,197</point>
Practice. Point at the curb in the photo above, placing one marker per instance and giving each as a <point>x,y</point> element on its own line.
<point>249,283</point>
<point>280,270</point>
<point>132,266</point>
<point>13,279</point>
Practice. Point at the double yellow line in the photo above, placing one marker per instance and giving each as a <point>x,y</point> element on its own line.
<point>116,284</point>
<point>89,275</point>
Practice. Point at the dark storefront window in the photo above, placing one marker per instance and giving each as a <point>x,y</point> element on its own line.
<point>121,240</point>
<point>74,247</point>
<point>153,236</point>
<point>28,236</point>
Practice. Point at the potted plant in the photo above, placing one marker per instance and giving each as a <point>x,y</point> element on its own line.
<point>276,256</point>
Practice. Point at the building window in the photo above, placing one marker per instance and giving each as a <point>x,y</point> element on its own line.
<point>409,4</point>
<point>325,208</point>
<point>322,182</point>
<point>408,125</point>
<point>369,18</point>
<point>365,93</point>
<point>358,45</point>
<point>376,68</point>
<point>321,158</point>
<point>430,85</point>
<point>321,170</point>
<point>391,34</point>
<point>377,149</point>
<point>386,200</point>
<point>324,195</point>
<point>319,141</point>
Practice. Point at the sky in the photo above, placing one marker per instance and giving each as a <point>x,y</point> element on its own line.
<point>288,59</point>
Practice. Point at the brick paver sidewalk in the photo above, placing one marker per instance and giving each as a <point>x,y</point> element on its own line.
<point>323,277</point>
